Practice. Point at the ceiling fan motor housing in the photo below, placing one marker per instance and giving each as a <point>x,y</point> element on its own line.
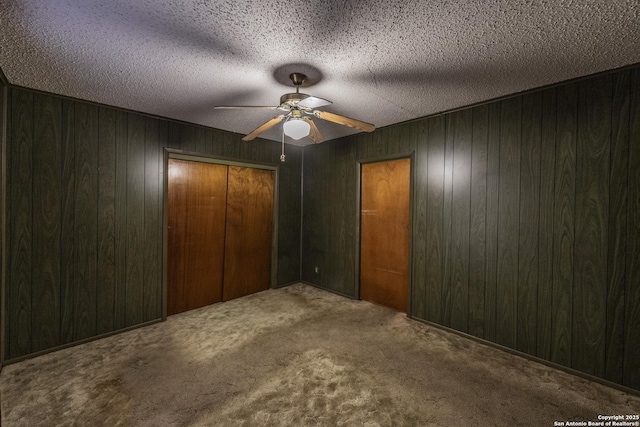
<point>292,98</point>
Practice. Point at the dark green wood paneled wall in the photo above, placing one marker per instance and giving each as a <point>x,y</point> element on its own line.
<point>84,212</point>
<point>3,129</point>
<point>329,213</point>
<point>526,221</point>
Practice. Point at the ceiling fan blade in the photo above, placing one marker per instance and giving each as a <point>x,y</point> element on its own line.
<point>314,102</point>
<point>314,134</point>
<point>346,121</point>
<point>264,127</point>
<point>247,107</point>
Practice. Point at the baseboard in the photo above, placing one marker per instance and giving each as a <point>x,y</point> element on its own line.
<point>284,285</point>
<point>76,343</point>
<point>532,358</point>
<point>326,289</point>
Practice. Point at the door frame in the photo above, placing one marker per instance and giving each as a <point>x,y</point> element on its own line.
<point>412,172</point>
<point>171,153</point>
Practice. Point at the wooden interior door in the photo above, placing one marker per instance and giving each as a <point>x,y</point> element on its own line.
<point>247,262</point>
<point>197,194</point>
<point>384,235</point>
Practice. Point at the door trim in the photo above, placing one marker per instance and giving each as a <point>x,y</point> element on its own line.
<point>359,163</point>
<point>170,153</point>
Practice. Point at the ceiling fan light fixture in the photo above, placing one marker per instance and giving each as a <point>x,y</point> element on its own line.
<point>296,128</point>
<point>296,125</point>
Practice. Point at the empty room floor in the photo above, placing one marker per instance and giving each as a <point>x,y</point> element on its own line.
<point>296,356</point>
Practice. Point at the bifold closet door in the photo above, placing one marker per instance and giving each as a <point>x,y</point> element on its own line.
<point>247,261</point>
<point>197,197</point>
<point>384,233</point>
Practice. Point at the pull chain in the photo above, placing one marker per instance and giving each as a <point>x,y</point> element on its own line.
<point>282,156</point>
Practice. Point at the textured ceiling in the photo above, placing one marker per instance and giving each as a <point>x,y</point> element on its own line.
<point>380,61</point>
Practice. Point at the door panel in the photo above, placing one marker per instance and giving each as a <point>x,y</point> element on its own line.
<point>247,262</point>
<point>384,238</point>
<point>196,208</point>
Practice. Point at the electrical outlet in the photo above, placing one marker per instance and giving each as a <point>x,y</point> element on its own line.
<point>316,269</point>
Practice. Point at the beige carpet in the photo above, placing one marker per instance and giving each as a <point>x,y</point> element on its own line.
<point>297,356</point>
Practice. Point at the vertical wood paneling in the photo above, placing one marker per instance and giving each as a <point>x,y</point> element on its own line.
<point>244,148</point>
<point>200,137</point>
<point>152,219</point>
<point>493,186</point>
<point>365,145</point>
<point>135,220</point>
<point>401,138</point>
<point>4,113</point>
<point>553,228</point>
<point>259,150</point>
<point>310,220</point>
<point>173,135</point>
<point>121,233</point>
<point>84,212</point>
<point>106,282</point>
<point>617,227</point>
<point>478,220</point>
<point>19,224</point>
<point>231,145</point>
<point>347,241</point>
<point>563,224</point>
<point>341,249</point>
<point>447,220</point>
<point>289,211</point>
<point>217,143</point>
<point>331,169</point>
<point>591,221</point>
<point>419,250</point>
<point>314,246</point>
<point>85,220</point>
<point>187,139</point>
<point>631,375</point>
<point>208,139</point>
<point>330,270</point>
<point>68,206</point>
<point>587,252</point>
<point>47,120</point>
<point>529,221</point>
<point>545,241</point>
<point>435,211</point>
<point>380,144</point>
<point>508,221</point>
<point>392,139</point>
<point>163,137</point>
<point>460,216</point>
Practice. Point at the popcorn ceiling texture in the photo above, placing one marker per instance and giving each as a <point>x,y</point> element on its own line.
<point>383,61</point>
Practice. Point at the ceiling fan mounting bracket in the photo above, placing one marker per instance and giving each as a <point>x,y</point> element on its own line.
<point>297,78</point>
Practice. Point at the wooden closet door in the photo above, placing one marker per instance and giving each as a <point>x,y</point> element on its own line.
<point>197,195</point>
<point>247,262</point>
<point>384,236</point>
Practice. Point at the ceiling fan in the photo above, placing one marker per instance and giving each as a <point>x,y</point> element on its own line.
<point>298,107</point>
